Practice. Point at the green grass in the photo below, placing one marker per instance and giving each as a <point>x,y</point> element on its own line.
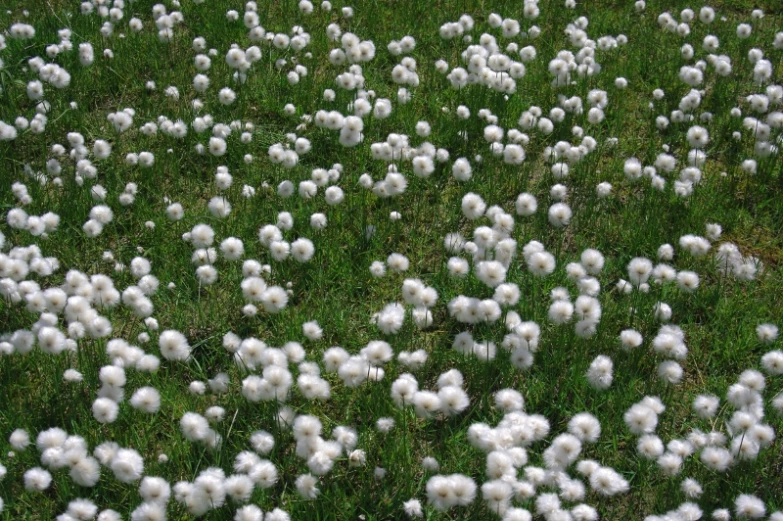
<point>336,288</point>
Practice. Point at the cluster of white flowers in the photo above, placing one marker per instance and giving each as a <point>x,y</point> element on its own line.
<point>450,398</point>
<point>212,489</point>
<point>196,428</point>
<point>506,449</point>
<point>60,450</point>
<point>321,454</point>
<point>486,286</point>
<point>486,63</point>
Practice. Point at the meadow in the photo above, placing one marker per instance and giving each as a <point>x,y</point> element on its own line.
<point>391,260</point>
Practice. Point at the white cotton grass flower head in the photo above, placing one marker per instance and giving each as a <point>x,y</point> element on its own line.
<point>767,333</point>
<point>384,425</point>
<point>559,215</point>
<point>19,440</point>
<point>748,506</point>
<point>262,442</point>
<point>202,236</point>
<point>146,399</point>
<point>194,427</point>
<point>462,170</point>
<point>397,262</point>
<point>232,248</point>
<point>497,495</point>
<point>662,311</point>
<point>585,426</point>
<point>473,206</point>
<point>302,249</point>
<point>650,446</point>
<point>453,400</point>
<point>600,372</point>
<point>174,346</point>
<point>378,269</point>
<point>390,319</point>
<point>641,418</point>
<point>127,465</point>
<point>688,281</point>
<point>525,204</point>
<point>691,488</point>
<point>81,509</point>
<point>630,339</point>
<point>541,263</point>
<point>560,312</point>
<point>430,464</point>
<point>312,331</point>
<point>491,273</point>
<point>37,479</point>
<point>670,372</point>
<point>153,489</point>
<point>306,486</point>
<point>426,404</point>
<point>639,270</point>
<point>608,482</point>
<point>86,472</point>
<point>592,260</point>
<point>413,508</point>
<point>706,406</point>
<point>175,212</point>
<point>563,451</point>
<point>105,410</point>
<point>772,362</point>
<point>753,380</point>
<point>249,513</point>
<point>721,514</point>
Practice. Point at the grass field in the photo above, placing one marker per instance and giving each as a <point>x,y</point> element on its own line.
<point>448,259</point>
